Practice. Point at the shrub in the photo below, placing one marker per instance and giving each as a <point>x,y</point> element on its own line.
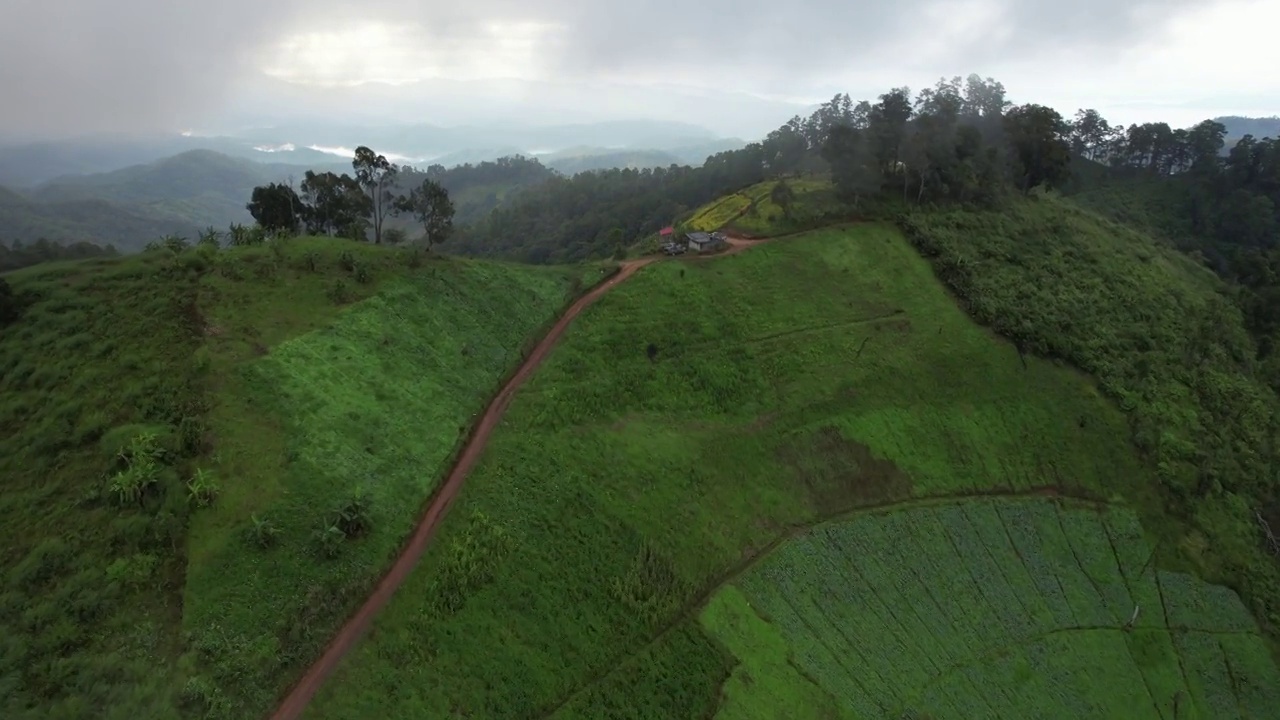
<point>328,540</point>
<point>202,488</point>
<point>142,459</point>
<point>263,532</point>
<point>347,261</point>
<point>395,236</point>
<point>353,517</point>
<point>362,273</point>
<point>413,257</point>
<point>210,238</point>
<point>241,236</point>
<point>134,571</point>
<point>338,292</point>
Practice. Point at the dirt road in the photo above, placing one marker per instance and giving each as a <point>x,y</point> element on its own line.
<point>300,695</point>
<point>355,627</point>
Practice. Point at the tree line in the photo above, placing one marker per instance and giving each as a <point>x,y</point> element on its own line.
<point>20,254</point>
<point>346,206</point>
<point>961,140</point>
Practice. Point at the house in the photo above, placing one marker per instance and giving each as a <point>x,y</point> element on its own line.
<point>666,232</point>
<point>704,242</point>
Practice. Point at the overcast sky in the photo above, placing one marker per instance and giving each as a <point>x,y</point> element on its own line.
<point>75,66</point>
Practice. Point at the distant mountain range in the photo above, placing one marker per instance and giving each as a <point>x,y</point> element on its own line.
<point>128,190</point>
<point>312,144</point>
<point>1238,127</point>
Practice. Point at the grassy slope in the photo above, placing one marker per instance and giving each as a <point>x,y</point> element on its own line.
<point>790,382</point>
<point>202,618</point>
<point>108,344</point>
<point>985,609</point>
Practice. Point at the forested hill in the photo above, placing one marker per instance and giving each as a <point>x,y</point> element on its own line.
<point>478,189</point>
<point>961,141</point>
<point>591,214</point>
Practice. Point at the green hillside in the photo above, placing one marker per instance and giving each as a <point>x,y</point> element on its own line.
<point>987,428</point>
<point>178,430</point>
<point>691,419</point>
<point>98,221</point>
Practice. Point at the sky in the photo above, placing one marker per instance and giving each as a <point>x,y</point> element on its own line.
<point>735,66</point>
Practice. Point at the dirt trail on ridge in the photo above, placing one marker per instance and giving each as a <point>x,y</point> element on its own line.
<point>357,625</point>
<point>300,695</point>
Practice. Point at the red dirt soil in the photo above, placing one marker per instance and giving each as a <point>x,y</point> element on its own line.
<point>300,695</point>
<point>293,705</point>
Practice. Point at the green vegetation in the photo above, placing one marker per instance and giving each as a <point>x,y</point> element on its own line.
<point>753,212</point>
<point>660,447</point>
<point>169,505</point>
<point>718,213</point>
<point>209,455</point>
<point>1162,340</point>
<point>986,609</point>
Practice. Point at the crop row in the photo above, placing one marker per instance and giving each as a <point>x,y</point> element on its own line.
<point>1004,608</point>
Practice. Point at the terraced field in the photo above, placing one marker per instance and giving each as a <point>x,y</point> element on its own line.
<point>986,608</point>
<point>715,215</point>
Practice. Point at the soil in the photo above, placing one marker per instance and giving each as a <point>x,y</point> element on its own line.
<point>300,695</point>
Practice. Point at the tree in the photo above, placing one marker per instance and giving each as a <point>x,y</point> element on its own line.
<point>337,203</point>
<point>783,196</point>
<point>785,148</point>
<point>430,205</point>
<point>851,172</point>
<point>376,175</point>
<point>1041,155</point>
<point>1090,134</point>
<point>887,127</point>
<point>277,207</point>
<point>1204,145</point>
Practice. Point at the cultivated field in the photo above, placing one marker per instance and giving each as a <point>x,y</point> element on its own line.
<point>717,214</point>
<point>986,608</point>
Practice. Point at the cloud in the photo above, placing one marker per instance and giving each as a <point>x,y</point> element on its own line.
<point>93,65</point>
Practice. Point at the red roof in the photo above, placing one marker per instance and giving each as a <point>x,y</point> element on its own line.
<point>667,230</point>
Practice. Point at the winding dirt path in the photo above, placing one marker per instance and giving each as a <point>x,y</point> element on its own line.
<point>357,625</point>
<point>300,695</point>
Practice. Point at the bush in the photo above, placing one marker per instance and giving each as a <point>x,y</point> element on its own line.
<point>362,274</point>
<point>262,532</point>
<point>395,236</point>
<point>142,460</point>
<point>328,540</point>
<point>353,517</point>
<point>202,488</point>
<point>338,292</point>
